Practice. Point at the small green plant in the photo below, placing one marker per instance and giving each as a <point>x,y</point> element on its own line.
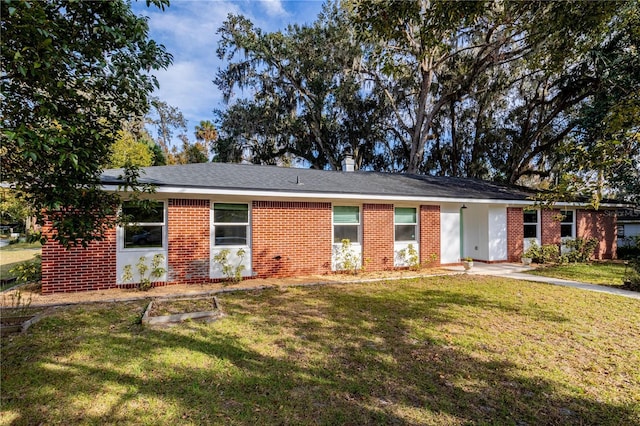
<point>28,271</point>
<point>410,257</point>
<point>232,272</point>
<point>16,304</point>
<point>581,249</point>
<point>432,260</point>
<point>632,274</point>
<point>148,273</point>
<point>547,253</point>
<point>346,259</point>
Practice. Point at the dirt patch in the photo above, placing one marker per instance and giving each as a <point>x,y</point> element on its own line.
<point>181,306</point>
<point>120,294</point>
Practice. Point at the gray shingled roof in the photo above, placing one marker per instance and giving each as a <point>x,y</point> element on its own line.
<point>248,177</point>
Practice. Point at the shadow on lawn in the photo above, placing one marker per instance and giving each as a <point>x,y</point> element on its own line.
<point>326,356</point>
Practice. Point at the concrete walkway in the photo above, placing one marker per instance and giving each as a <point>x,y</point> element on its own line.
<point>516,272</point>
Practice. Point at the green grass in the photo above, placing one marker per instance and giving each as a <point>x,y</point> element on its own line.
<point>604,273</point>
<point>14,254</point>
<point>445,351</point>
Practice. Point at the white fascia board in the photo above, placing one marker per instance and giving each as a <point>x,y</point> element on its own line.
<point>328,197</point>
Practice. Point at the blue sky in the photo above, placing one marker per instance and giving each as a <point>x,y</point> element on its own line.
<point>188,31</point>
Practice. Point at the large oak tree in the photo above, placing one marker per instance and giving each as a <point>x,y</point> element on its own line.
<point>72,72</point>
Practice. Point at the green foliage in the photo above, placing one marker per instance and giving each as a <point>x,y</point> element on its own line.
<point>632,274</point>
<point>126,150</point>
<point>148,274</point>
<point>206,132</point>
<point>346,259</point>
<point>630,248</point>
<point>232,272</point>
<point>547,253</point>
<point>190,153</point>
<point>72,72</point>
<point>310,100</point>
<point>13,208</point>
<point>28,271</point>
<point>410,257</point>
<point>581,250</point>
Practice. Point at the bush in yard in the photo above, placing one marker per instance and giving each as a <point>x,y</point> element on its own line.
<point>547,253</point>
<point>347,260</point>
<point>581,249</point>
<point>632,274</point>
<point>630,248</point>
<point>28,271</point>
<point>148,273</point>
<point>231,272</point>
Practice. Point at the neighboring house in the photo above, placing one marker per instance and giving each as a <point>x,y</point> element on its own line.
<point>291,222</point>
<point>628,227</point>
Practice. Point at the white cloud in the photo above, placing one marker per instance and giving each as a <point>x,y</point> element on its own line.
<point>188,86</point>
<point>188,29</point>
<point>274,8</point>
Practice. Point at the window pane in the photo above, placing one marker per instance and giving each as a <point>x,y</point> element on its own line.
<point>620,231</point>
<point>342,232</point>
<point>566,230</point>
<point>567,217</point>
<point>138,214</point>
<point>530,231</point>
<point>530,216</point>
<point>231,235</point>
<point>346,214</point>
<point>142,236</point>
<point>405,232</point>
<point>230,213</point>
<point>405,215</point>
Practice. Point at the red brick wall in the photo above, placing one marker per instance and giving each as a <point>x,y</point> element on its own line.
<point>188,230</point>
<point>78,268</point>
<point>290,238</point>
<point>430,235</point>
<point>515,234</point>
<point>377,236</point>
<point>601,225</point>
<point>550,231</point>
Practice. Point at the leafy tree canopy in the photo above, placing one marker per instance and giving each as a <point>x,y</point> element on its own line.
<point>127,151</point>
<point>72,73</point>
<point>524,92</point>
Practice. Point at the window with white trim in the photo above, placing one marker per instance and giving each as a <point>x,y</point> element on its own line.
<point>530,219</point>
<point>346,224</point>
<point>145,225</point>
<point>406,224</point>
<point>567,224</point>
<point>230,224</point>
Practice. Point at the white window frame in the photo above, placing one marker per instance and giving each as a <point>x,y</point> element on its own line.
<point>415,224</point>
<point>572,223</point>
<point>163,225</point>
<point>536,223</point>
<point>247,224</point>
<point>333,224</point>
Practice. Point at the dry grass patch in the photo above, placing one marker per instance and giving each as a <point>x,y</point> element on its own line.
<point>446,350</point>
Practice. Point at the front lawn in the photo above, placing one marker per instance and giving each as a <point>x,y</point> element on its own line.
<point>445,350</point>
<point>605,273</point>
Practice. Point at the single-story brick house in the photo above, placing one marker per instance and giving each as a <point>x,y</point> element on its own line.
<point>291,222</point>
